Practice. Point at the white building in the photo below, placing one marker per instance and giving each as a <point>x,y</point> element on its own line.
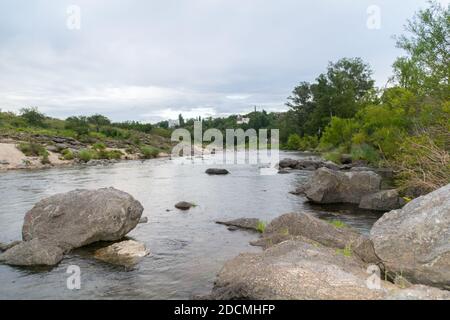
<point>173,123</point>
<point>242,120</point>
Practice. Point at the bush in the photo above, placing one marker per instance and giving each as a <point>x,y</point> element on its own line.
<point>86,155</point>
<point>32,149</point>
<point>293,142</point>
<point>365,152</point>
<point>149,152</point>
<point>109,155</point>
<point>99,146</point>
<point>67,154</point>
<point>33,117</point>
<point>338,133</point>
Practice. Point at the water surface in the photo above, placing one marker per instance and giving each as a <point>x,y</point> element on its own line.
<point>187,248</point>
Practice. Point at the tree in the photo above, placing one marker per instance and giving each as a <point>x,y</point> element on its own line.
<point>98,121</point>
<point>78,124</point>
<point>181,120</point>
<point>340,92</point>
<point>426,68</point>
<point>32,116</point>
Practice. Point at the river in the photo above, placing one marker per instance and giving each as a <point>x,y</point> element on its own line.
<point>187,248</point>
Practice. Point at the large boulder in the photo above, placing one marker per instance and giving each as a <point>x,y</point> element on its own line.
<point>330,186</point>
<point>291,226</point>
<point>295,270</point>
<point>62,222</point>
<point>384,200</point>
<point>415,241</point>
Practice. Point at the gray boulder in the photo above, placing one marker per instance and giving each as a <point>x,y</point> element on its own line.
<point>295,270</point>
<point>385,200</point>
<point>306,227</point>
<point>415,241</point>
<point>330,186</point>
<point>63,222</point>
<point>31,253</point>
<point>288,163</point>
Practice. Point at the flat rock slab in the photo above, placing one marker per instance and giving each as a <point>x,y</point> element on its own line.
<point>126,253</point>
<point>242,223</point>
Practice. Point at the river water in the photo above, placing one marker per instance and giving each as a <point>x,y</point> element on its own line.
<point>187,248</point>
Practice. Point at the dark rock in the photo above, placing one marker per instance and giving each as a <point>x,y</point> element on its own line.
<point>329,186</point>
<point>283,171</point>
<point>346,158</point>
<point>215,171</point>
<point>183,205</point>
<point>384,200</point>
<point>242,223</point>
<point>233,228</point>
<point>415,241</point>
<point>288,163</point>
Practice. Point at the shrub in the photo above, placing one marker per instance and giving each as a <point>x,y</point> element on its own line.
<point>86,155</point>
<point>149,152</point>
<point>99,146</point>
<point>293,142</point>
<point>32,116</point>
<point>67,154</point>
<point>365,152</point>
<point>32,149</point>
<point>45,159</point>
<point>338,133</point>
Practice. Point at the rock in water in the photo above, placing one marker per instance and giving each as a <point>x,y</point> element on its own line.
<point>385,200</point>
<point>125,253</point>
<point>242,223</point>
<point>184,205</point>
<point>292,226</point>
<point>31,253</point>
<point>330,186</point>
<point>415,241</point>
<point>215,171</point>
<point>295,270</point>
<point>71,220</point>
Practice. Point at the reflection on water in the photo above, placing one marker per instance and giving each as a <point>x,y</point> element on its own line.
<point>187,248</point>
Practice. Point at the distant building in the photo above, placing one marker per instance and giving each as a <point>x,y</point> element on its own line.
<point>241,120</point>
<point>173,123</point>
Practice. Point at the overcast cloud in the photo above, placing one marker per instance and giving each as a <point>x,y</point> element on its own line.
<point>150,60</point>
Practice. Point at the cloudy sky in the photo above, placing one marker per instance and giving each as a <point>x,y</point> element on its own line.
<point>151,60</point>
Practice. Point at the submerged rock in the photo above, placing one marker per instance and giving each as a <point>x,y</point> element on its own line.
<point>143,220</point>
<point>330,186</point>
<point>385,200</point>
<point>295,270</point>
<point>71,220</point>
<point>415,241</point>
<point>125,253</point>
<point>184,205</point>
<point>242,223</point>
<point>215,171</point>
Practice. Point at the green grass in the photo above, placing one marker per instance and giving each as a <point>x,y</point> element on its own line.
<point>86,155</point>
<point>261,226</point>
<point>337,223</point>
<point>346,252</point>
<point>32,149</point>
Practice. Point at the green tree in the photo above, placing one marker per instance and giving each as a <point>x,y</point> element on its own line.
<point>426,68</point>
<point>98,121</point>
<point>78,124</point>
<point>32,116</point>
